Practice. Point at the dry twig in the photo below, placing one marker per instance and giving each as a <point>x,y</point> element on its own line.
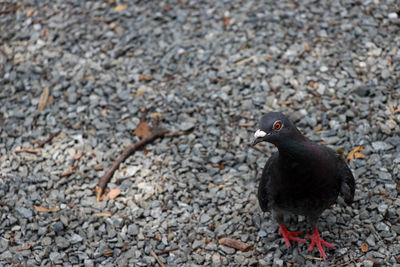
<point>26,149</point>
<point>157,132</point>
<point>167,250</point>
<point>157,258</point>
<point>41,144</point>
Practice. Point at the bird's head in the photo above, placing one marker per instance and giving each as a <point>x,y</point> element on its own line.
<point>273,128</point>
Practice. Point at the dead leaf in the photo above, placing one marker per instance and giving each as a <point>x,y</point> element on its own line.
<point>120,7</point>
<point>114,193</point>
<point>227,20</point>
<point>143,130</point>
<point>41,209</point>
<point>356,153</point>
<point>229,242</point>
<point>218,165</point>
<point>43,98</point>
<point>102,214</point>
<point>364,247</point>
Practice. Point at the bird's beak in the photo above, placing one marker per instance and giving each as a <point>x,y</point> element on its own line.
<point>258,137</point>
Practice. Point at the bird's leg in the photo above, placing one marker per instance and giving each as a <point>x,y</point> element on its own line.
<point>288,235</point>
<point>317,240</point>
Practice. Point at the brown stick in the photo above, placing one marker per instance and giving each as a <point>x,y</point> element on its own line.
<point>167,250</point>
<point>41,144</point>
<point>270,86</point>
<point>26,149</point>
<point>7,11</point>
<point>157,132</point>
<point>157,258</point>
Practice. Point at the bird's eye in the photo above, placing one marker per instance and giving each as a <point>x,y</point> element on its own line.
<point>277,125</point>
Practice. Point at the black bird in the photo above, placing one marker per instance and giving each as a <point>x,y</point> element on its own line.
<point>302,178</point>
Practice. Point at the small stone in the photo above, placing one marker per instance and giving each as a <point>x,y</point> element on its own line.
<point>371,240</point>
<point>55,256</point>
<point>6,255</point>
<point>368,263</point>
<point>62,242</point>
<point>278,262</point>
<point>382,208</point>
<point>133,230</point>
<point>24,212</point>
<point>197,244</point>
<point>204,218</point>
<point>381,146</point>
<point>227,250</point>
<point>216,258</point>
<point>393,15</point>
<point>262,233</point>
<point>187,125</point>
<point>75,238</point>
<point>323,69</point>
<point>57,227</point>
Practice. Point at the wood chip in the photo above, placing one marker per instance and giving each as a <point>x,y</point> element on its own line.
<point>24,248</point>
<point>108,252</point>
<point>42,209</point>
<point>243,61</point>
<point>155,115</point>
<point>77,156</point>
<point>246,124</point>
<point>67,173</point>
<point>120,7</point>
<point>144,77</point>
<point>43,98</point>
<point>102,214</point>
<point>29,12</point>
<point>98,167</point>
<point>307,47</point>
<point>229,242</point>
<point>28,150</point>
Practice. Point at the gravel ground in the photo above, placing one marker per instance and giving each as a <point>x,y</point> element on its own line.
<point>211,66</point>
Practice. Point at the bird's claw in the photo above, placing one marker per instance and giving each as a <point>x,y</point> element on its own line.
<point>317,240</point>
<point>288,235</point>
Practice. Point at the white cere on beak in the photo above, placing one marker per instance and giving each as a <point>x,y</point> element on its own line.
<point>260,133</point>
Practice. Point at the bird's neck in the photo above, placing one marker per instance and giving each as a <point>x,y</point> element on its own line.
<point>297,148</point>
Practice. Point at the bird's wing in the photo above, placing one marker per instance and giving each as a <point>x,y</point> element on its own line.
<point>347,183</point>
<point>264,187</point>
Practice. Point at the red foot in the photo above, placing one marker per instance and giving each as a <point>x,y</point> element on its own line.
<point>316,239</point>
<point>287,235</point>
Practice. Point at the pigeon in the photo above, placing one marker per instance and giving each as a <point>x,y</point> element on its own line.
<point>301,178</point>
